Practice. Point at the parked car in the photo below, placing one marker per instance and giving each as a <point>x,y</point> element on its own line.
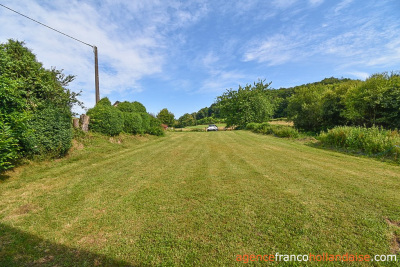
<point>212,127</point>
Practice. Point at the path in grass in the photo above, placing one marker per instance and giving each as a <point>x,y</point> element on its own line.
<point>196,198</point>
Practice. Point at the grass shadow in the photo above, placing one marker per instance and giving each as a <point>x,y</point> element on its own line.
<point>18,248</point>
<point>4,177</point>
<point>353,153</point>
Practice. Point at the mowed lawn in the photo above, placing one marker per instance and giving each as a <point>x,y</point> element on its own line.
<point>196,198</point>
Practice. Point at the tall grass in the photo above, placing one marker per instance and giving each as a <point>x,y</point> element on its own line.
<point>372,141</point>
<point>276,130</point>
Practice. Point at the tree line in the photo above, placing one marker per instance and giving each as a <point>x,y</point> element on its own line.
<point>317,106</point>
<point>312,107</point>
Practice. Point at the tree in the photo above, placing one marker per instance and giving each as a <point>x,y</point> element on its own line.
<point>30,94</point>
<point>186,120</point>
<point>375,101</point>
<point>202,113</point>
<point>166,117</point>
<point>247,104</point>
<point>305,107</point>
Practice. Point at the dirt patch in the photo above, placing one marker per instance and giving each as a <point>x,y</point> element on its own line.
<point>96,240</point>
<point>115,140</point>
<point>392,223</point>
<point>77,145</point>
<point>24,209</point>
<point>395,243</point>
<point>44,260</point>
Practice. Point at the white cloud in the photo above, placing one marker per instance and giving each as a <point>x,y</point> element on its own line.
<point>343,4</point>
<point>276,50</point>
<point>316,2</point>
<point>359,74</point>
<point>131,36</point>
<point>283,3</point>
<point>221,81</point>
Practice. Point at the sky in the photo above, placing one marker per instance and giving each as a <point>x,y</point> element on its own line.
<point>181,55</point>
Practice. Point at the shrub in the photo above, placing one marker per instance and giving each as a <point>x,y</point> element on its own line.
<point>106,120</point>
<point>253,126</point>
<point>276,130</point>
<point>145,122</point>
<point>285,131</point>
<point>104,102</point>
<point>136,107</point>
<point>133,123</point>
<point>50,133</point>
<point>155,127</point>
<point>35,105</point>
<point>8,147</point>
<point>373,141</point>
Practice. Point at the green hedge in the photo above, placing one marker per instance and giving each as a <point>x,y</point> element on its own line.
<point>8,147</point>
<point>106,119</point>
<point>50,133</point>
<point>133,123</point>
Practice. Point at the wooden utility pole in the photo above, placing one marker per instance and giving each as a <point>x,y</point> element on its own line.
<point>96,74</point>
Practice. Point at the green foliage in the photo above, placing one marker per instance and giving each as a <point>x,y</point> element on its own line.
<point>186,120</point>
<point>133,123</point>
<point>166,117</point>
<point>209,120</point>
<point>138,107</point>
<point>305,107</point>
<point>8,147</point>
<point>145,122</point>
<point>50,133</point>
<point>371,141</point>
<point>320,106</point>
<point>276,130</point>
<point>131,107</point>
<point>248,104</point>
<point>202,113</point>
<point>104,102</point>
<point>106,119</point>
<point>26,89</point>
<point>280,98</point>
<point>375,101</point>
<point>155,126</point>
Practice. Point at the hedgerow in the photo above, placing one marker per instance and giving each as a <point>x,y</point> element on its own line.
<point>50,133</point>
<point>105,118</point>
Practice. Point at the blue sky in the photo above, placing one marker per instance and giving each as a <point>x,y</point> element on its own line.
<point>181,55</point>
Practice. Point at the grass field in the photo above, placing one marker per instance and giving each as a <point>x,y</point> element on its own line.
<point>196,199</point>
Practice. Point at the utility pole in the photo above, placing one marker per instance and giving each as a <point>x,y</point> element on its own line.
<point>96,63</point>
<point>96,74</point>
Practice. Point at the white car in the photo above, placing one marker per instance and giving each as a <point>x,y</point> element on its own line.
<point>212,127</point>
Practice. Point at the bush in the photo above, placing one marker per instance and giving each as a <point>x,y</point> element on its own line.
<point>276,130</point>
<point>155,127</point>
<point>35,105</point>
<point>106,120</point>
<point>253,126</point>
<point>8,147</point>
<point>50,133</point>
<point>372,141</point>
<point>145,122</point>
<point>133,123</point>
<point>136,107</point>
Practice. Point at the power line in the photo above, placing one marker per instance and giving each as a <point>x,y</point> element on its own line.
<point>47,26</point>
<point>96,65</point>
